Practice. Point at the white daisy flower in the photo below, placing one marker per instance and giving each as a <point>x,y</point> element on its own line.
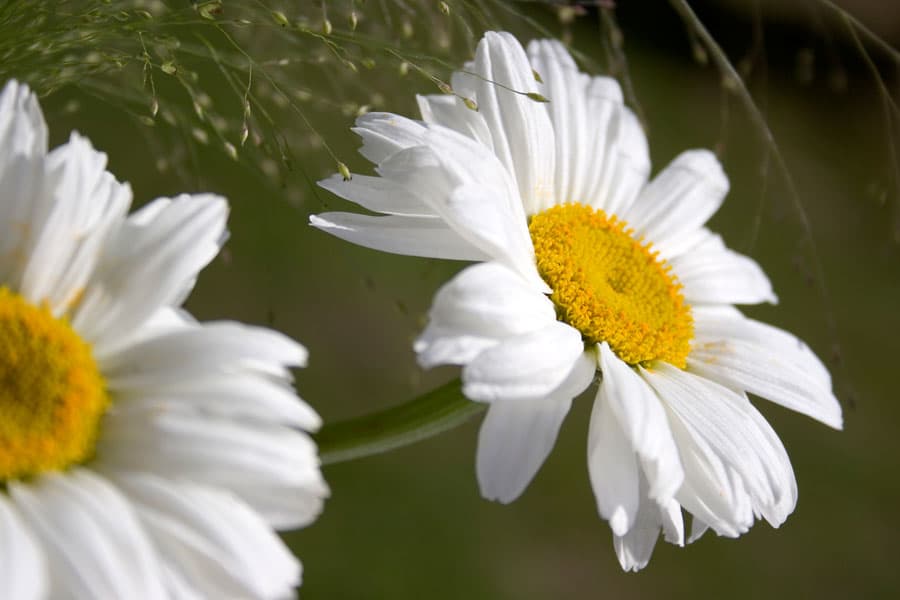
<point>142,454</point>
<point>587,270</point>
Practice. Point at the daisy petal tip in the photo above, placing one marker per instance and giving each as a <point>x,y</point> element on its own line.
<point>494,493</point>
<point>495,486</point>
<point>330,182</point>
<point>324,224</point>
<point>704,162</point>
<point>503,38</point>
<point>628,562</point>
<point>834,416</point>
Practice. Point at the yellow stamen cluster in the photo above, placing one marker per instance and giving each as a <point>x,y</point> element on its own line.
<point>52,395</point>
<point>611,287</point>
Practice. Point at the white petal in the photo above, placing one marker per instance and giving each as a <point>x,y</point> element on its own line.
<point>20,196</point>
<point>613,468</point>
<point>287,507</point>
<point>94,544</point>
<point>378,194</point>
<point>672,522</point>
<point>412,236</point>
<point>635,548</point>
<point>469,188</point>
<point>23,137</point>
<point>698,528</point>
<point>709,492</point>
<point>23,570</point>
<point>781,474</point>
<point>214,347</point>
<point>219,453</point>
<point>643,421</point>
<point>235,395</point>
<point>22,127</point>
<point>521,133</point>
<point>529,365</point>
<point>213,541</point>
<point>476,309</point>
<point>711,273</point>
<point>771,363</point>
<point>385,134</point>
<point>517,435</point>
<point>678,201</point>
<point>720,424</point>
<point>452,112</point>
<point>148,266</point>
<point>464,183</point>
<point>619,151</point>
<point>498,232</point>
<point>84,203</point>
<point>566,89</point>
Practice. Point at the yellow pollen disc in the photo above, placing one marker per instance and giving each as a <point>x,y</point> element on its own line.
<point>51,392</point>
<point>611,287</point>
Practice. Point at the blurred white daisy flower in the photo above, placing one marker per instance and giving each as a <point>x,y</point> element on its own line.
<point>587,268</point>
<point>142,454</point>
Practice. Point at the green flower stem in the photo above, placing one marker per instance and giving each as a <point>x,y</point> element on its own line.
<point>428,415</point>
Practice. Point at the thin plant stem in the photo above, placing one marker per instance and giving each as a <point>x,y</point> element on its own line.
<point>426,416</point>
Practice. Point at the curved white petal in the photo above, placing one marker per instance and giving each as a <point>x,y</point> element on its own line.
<point>781,474</point>
<point>678,201</point>
<point>672,522</point>
<point>447,175</point>
<point>212,540</point>
<point>566,89</point>
<point>249,384</point>
<point>643,421</point>
<point>214,347</point>
<point>521,133</point>
<point>713,274</point>
<point>85,204</point>
<point>498,232</point>
<point>378,194</point>
<point>233,456</point>
<point>452,112</point>
<point>476,309</point>
<point>236,395</point>
<point>94,544</point>
<point>23,569</point>
<point>183,236</point>
<point>709,491</point>
<point>620,147</point>
<point>286,507</point>
<point>612,467</point>
<point>517,435</point>
<point>464,183</point>
<point>22,127</point>
<point>635,548</point>
<point>385,134</point>
<point>698,528</point>
<point>529,365</point>
<point>23,138</point>
<point>766,361</point>
<point>731,449</point>
<point>413,236</point>
<point>602,157</point>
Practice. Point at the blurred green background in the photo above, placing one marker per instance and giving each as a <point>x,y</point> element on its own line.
<point>410,523</point>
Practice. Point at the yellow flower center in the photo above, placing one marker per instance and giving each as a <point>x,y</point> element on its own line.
<point>51,392</point>
<point>611,287</point>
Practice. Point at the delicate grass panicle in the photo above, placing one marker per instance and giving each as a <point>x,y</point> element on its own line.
<point>256,80</point>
